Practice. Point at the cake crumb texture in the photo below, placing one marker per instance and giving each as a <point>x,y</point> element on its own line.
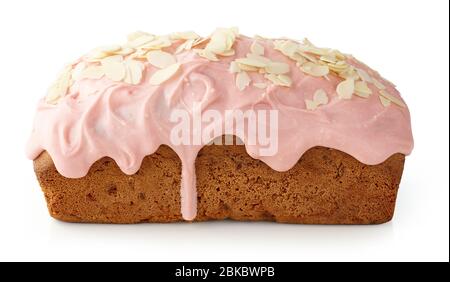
<point>326,186</point>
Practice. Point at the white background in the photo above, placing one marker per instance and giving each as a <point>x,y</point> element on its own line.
<point>407,41</point>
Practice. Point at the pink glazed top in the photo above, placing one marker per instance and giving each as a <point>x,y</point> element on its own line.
<point>117,101</point>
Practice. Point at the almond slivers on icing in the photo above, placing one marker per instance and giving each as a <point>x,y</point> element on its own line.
<point>320,97</point>
<point>165,74</point>
<point>345,89</point>
<point>160,59</point>
<point>126,63</point>
<point>242,80</point>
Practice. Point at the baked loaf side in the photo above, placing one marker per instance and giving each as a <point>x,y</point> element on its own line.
<point>326,186</point>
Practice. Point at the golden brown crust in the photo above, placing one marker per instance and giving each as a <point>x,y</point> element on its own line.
<point>326,186</point>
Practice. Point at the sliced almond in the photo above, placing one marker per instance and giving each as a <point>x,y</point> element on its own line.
<point>134,69</point>
<point>222,40</point>
<point>187,45</point>
<point>242,80</point>
<point>260,58</point>
<point>309,57</point>
<point>227,53</point>
<point>251,62</point>
<point>53,94</point>
<point>321,97</point>
<point>114,70</point>
<point>163,75</point>
<point>96,55</point>
<point>300,59</point>
<point>93,72</point>
<point>139,54</point>
<point>116,58</point>
<point>310,104</point>
<point>158,43</point>
<point>280,80</point>
<point>349,73</point>
<point>125,51</point>
<point>160,59</point>
<point>260,85</point>
<point>286,47</point>
<point>134,35</point>
<point>248,68</point>
<point>314,69</point>
<point>285,80</point>
<point>218,43</point>
<point>362,90</point>
<point>328,59</point>
<point>277,68</point>
<point>207,55</point>
<point>338,67</point>
<point>378,84</point>
<point>345,89</point>
<point>128,79</point>
<point>392,98</point>
<point>200,41</point>
<point>272,77</point>
<point>257,48</point>
<point>60,87</point>
<point>364,75</point>
<point>385,102</point>
<point>234,67</point>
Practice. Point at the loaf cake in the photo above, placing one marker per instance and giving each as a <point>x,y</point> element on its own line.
<point>183,127</point>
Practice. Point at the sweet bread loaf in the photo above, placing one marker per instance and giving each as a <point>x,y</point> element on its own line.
<point>143,132</point>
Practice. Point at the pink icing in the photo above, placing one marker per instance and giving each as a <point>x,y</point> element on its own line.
<point>101,118</point>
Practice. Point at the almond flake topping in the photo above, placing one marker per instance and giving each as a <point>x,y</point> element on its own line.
<point>256,62</point>
<point>134,71</point>
<point>187,45</point>
<point>127,62</point>
<point>234,67</point>
<point>165,74</point>
<point>277,68</point>
<point>364,75</point>
<point>345,89</point>
<point>320,98</point>
<point>60,87</point>
<point>260,85</point>
<point>392,98</point>
<point>378,84</point>
<point>280,80</point>
<point>385,102</point>
<point>317,61</point>
<point>362,90</point>
<point>310,104</point>
<point>315,70</point>
<point>257,48</point>
<point>93,72</point>
<point>207,54</point>
<point>221,43</point>
<point>160,59</point>
<point>242,80</point>
<point>252,62</point>
<point>115,68</point>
